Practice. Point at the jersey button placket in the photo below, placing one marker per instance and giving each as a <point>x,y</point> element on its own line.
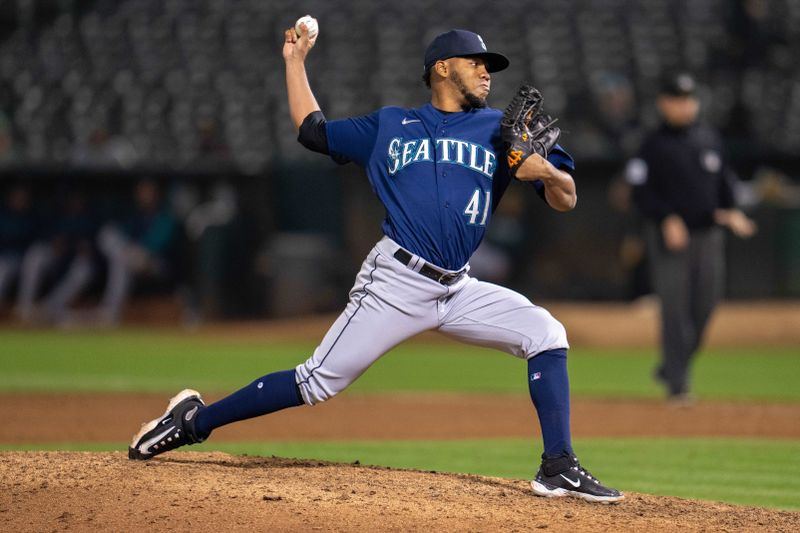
<point>442,173</point>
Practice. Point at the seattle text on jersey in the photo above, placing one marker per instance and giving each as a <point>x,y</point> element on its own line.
<point>450,151</point>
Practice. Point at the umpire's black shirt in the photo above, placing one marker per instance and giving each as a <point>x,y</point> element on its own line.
<point>681,171</point>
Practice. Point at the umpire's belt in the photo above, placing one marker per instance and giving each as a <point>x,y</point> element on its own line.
<point>428,270</point>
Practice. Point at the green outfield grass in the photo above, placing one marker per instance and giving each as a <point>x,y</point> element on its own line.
<point>163,362</point>
<point>750,472</point>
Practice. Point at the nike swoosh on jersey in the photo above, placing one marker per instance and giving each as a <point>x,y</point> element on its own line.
<point>575,484</point>
<point>409,121</point>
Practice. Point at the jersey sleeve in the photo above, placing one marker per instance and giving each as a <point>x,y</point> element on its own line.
<point>561,159</point>
<point>353,138</point>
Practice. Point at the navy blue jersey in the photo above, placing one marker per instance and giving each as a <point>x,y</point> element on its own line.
<point>439,175</point>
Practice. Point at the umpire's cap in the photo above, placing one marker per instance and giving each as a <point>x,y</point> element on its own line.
<point>462,43</point>
<point>678,84</point>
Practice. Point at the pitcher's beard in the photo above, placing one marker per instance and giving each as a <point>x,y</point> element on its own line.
<point>470,100</point>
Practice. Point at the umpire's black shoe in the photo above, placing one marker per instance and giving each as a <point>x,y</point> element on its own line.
<point>564,476</point>
<point>173,429</point>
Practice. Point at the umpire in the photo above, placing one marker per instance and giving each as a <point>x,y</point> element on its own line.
<point>683,188</point>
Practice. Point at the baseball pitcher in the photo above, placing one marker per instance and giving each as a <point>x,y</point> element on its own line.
<point>440,171</point>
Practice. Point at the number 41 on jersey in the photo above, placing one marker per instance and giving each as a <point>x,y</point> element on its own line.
<point>474,208</point>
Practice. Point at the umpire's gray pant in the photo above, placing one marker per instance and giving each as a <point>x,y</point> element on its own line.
<point>689,284</point>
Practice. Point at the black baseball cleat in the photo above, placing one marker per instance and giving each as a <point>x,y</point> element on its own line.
<point>173,429</point>
<point>564,476</point>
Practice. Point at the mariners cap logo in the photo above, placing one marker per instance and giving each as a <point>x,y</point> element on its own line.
<point>483,45</point>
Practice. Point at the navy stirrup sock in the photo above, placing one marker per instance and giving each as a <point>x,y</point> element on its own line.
<point>267,394</point>
<point>549,387</point>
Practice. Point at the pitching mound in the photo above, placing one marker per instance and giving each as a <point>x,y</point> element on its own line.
<point>48,491</point>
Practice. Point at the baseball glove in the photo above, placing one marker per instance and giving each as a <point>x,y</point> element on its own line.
<point>526,129</point>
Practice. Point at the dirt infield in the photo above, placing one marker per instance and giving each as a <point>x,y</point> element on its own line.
<point>50,491</point>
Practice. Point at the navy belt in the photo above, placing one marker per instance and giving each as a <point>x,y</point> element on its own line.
<point>430,271</point>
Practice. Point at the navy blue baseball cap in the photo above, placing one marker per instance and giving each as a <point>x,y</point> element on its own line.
<point>462,43</point>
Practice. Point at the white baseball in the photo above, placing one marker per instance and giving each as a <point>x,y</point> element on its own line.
<point>311,24</point>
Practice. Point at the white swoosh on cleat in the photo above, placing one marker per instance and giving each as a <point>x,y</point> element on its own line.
<point>146,445</point>
<point>575,484</point>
